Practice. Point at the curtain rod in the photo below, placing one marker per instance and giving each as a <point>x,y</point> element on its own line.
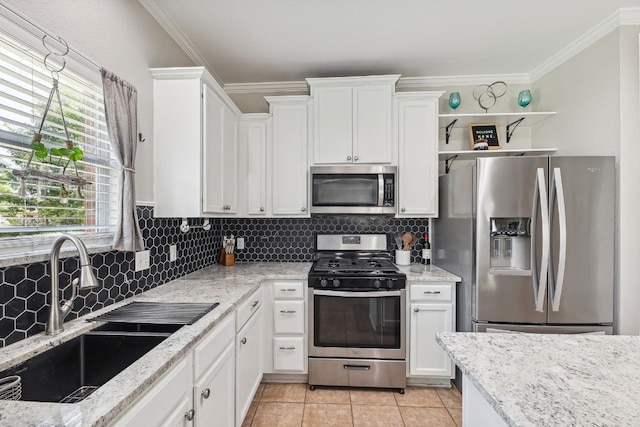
<point>47,33</point>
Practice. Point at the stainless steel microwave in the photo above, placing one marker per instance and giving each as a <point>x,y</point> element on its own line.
<point>353,189</point>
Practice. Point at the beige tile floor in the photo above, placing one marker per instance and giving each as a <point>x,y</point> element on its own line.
<point>286,405</point>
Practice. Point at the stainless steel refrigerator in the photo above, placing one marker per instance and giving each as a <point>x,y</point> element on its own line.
<point>533,240</point>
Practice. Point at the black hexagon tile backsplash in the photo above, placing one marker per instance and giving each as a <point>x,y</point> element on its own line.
<point>24,289</point>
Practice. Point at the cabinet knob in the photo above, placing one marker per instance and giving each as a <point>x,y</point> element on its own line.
<point>403,210</point>
<point>416,309</point>
<point>255,303</point>
<point>206,393</point>
<point>355,158</point>
<point>261,209</point>
<point>243,340</point>
<point>303,209</point>
<point>349,158</point>
<point>190,414</point>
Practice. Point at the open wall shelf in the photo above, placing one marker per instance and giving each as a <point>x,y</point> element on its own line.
<point>450,156</point>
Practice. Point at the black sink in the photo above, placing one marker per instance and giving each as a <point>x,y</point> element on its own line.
<point>72,370</point>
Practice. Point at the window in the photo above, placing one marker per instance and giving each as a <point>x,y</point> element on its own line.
<point>27,222</point>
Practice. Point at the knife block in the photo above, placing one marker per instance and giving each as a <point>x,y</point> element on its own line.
<point>227,259</point>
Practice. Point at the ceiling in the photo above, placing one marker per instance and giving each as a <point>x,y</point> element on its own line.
<point>257,41</point>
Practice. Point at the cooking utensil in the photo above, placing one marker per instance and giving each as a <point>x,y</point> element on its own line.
<point>407,238</point>
<point>399,241</point>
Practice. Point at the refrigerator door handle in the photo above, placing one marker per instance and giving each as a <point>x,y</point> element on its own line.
<point>557,191</point>
<point>540,200</point>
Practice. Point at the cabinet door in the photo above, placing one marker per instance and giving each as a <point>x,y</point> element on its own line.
<point>418,156</point>
<point>372,124</point>
<point>213,113</point>
<point>257,168</point>
<point>290,163</point>
<point>166,403</point>
<point>332,125</point>
<point>213,395</point>
<point>426,357</point>
<point>230,161</point>
<point>248,364</point>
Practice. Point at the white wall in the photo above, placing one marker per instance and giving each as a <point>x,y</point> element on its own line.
<point>596,96</point>
<point>121,36</point>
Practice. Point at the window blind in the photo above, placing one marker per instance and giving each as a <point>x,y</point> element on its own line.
<point>25,85</point>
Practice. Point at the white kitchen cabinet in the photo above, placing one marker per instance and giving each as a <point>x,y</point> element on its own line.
<point>286,331</point>
<point>431,310</point>
<point>289,162</point>
<point>353,119</point>
<point>417,127</point>
<point>194,144</point>
<point>168,403</point>
<point>248,352</point>
<point>214,373</point>
<point>253,171</point>
<point>197,391</point>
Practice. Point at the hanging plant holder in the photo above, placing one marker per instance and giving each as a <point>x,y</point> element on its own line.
<point>61,157</point>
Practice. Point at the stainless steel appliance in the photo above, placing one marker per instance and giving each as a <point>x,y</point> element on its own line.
<point>353,189</point>
<point>357,313</point>
<point>533,240</point>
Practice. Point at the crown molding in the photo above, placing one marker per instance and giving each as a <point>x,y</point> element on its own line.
<point>413,83</point>
<point>624,16</point>
<point>267,87</point>
<point>178,36</point>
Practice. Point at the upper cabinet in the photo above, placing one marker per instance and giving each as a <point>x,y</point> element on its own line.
<point>417,116</point>
<point>254,149</point>
<point>195,141</point>
<point>353,119</point>
<point>289,164</point>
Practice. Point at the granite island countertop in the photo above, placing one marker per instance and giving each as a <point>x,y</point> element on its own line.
<point>552,380</point>
<point>227,285</point>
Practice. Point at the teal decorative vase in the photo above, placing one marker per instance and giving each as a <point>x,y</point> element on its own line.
<point>454,100</point>
<point>524,98</point>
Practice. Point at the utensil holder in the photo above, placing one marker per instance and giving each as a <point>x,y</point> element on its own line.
<point>11,388</point>
<point>227,259</point>
<point>403,257</point>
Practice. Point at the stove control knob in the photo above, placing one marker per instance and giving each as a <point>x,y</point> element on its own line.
<point>377,283</point>
<point>336,283</point>
<point>389,283</point>
<point>323,283</point>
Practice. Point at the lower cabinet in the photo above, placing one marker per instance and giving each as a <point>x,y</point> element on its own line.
<point>248,353</point>
<point>285,329</point>
<point>431,310</point>
<point>196,391</point>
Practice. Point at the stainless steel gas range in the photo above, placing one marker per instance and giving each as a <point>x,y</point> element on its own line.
<point>357,312</point>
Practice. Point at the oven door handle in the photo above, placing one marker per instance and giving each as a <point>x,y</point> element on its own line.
<point>372,294</point>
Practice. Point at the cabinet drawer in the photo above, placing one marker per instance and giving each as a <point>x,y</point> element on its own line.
<point>288,290</point>
<point>247,308</point>
<point>210,347</point>
<point>288,354</point>
<point>288,317</point>
<point>430,292</point>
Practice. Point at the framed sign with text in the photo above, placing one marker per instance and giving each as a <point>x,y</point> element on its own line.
<point>484,136</point>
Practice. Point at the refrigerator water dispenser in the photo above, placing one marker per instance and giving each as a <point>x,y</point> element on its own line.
<point>510,251</point>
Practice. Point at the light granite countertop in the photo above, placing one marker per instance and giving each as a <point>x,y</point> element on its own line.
<point>229,286</point>
<point>552,380</point>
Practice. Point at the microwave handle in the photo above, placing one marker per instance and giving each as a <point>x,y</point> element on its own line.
<point>380,189</point>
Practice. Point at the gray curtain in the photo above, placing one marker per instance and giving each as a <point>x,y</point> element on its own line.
<point>121,112</point>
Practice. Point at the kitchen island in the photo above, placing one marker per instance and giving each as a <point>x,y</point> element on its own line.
<point>229,286</point>
<point>547,380</point>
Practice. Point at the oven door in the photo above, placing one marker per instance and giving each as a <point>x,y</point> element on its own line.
<point>357,324</point>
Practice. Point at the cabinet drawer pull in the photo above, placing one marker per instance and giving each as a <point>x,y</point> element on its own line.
<point>431,292</point>
<point>287,348</point>
<point>287,311</point>
<point>255,303</point>
<point>357,367</point>
<point>288,290</point>
<point>190,414</point>
<point>243,340</point>
<point>206,393</point>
